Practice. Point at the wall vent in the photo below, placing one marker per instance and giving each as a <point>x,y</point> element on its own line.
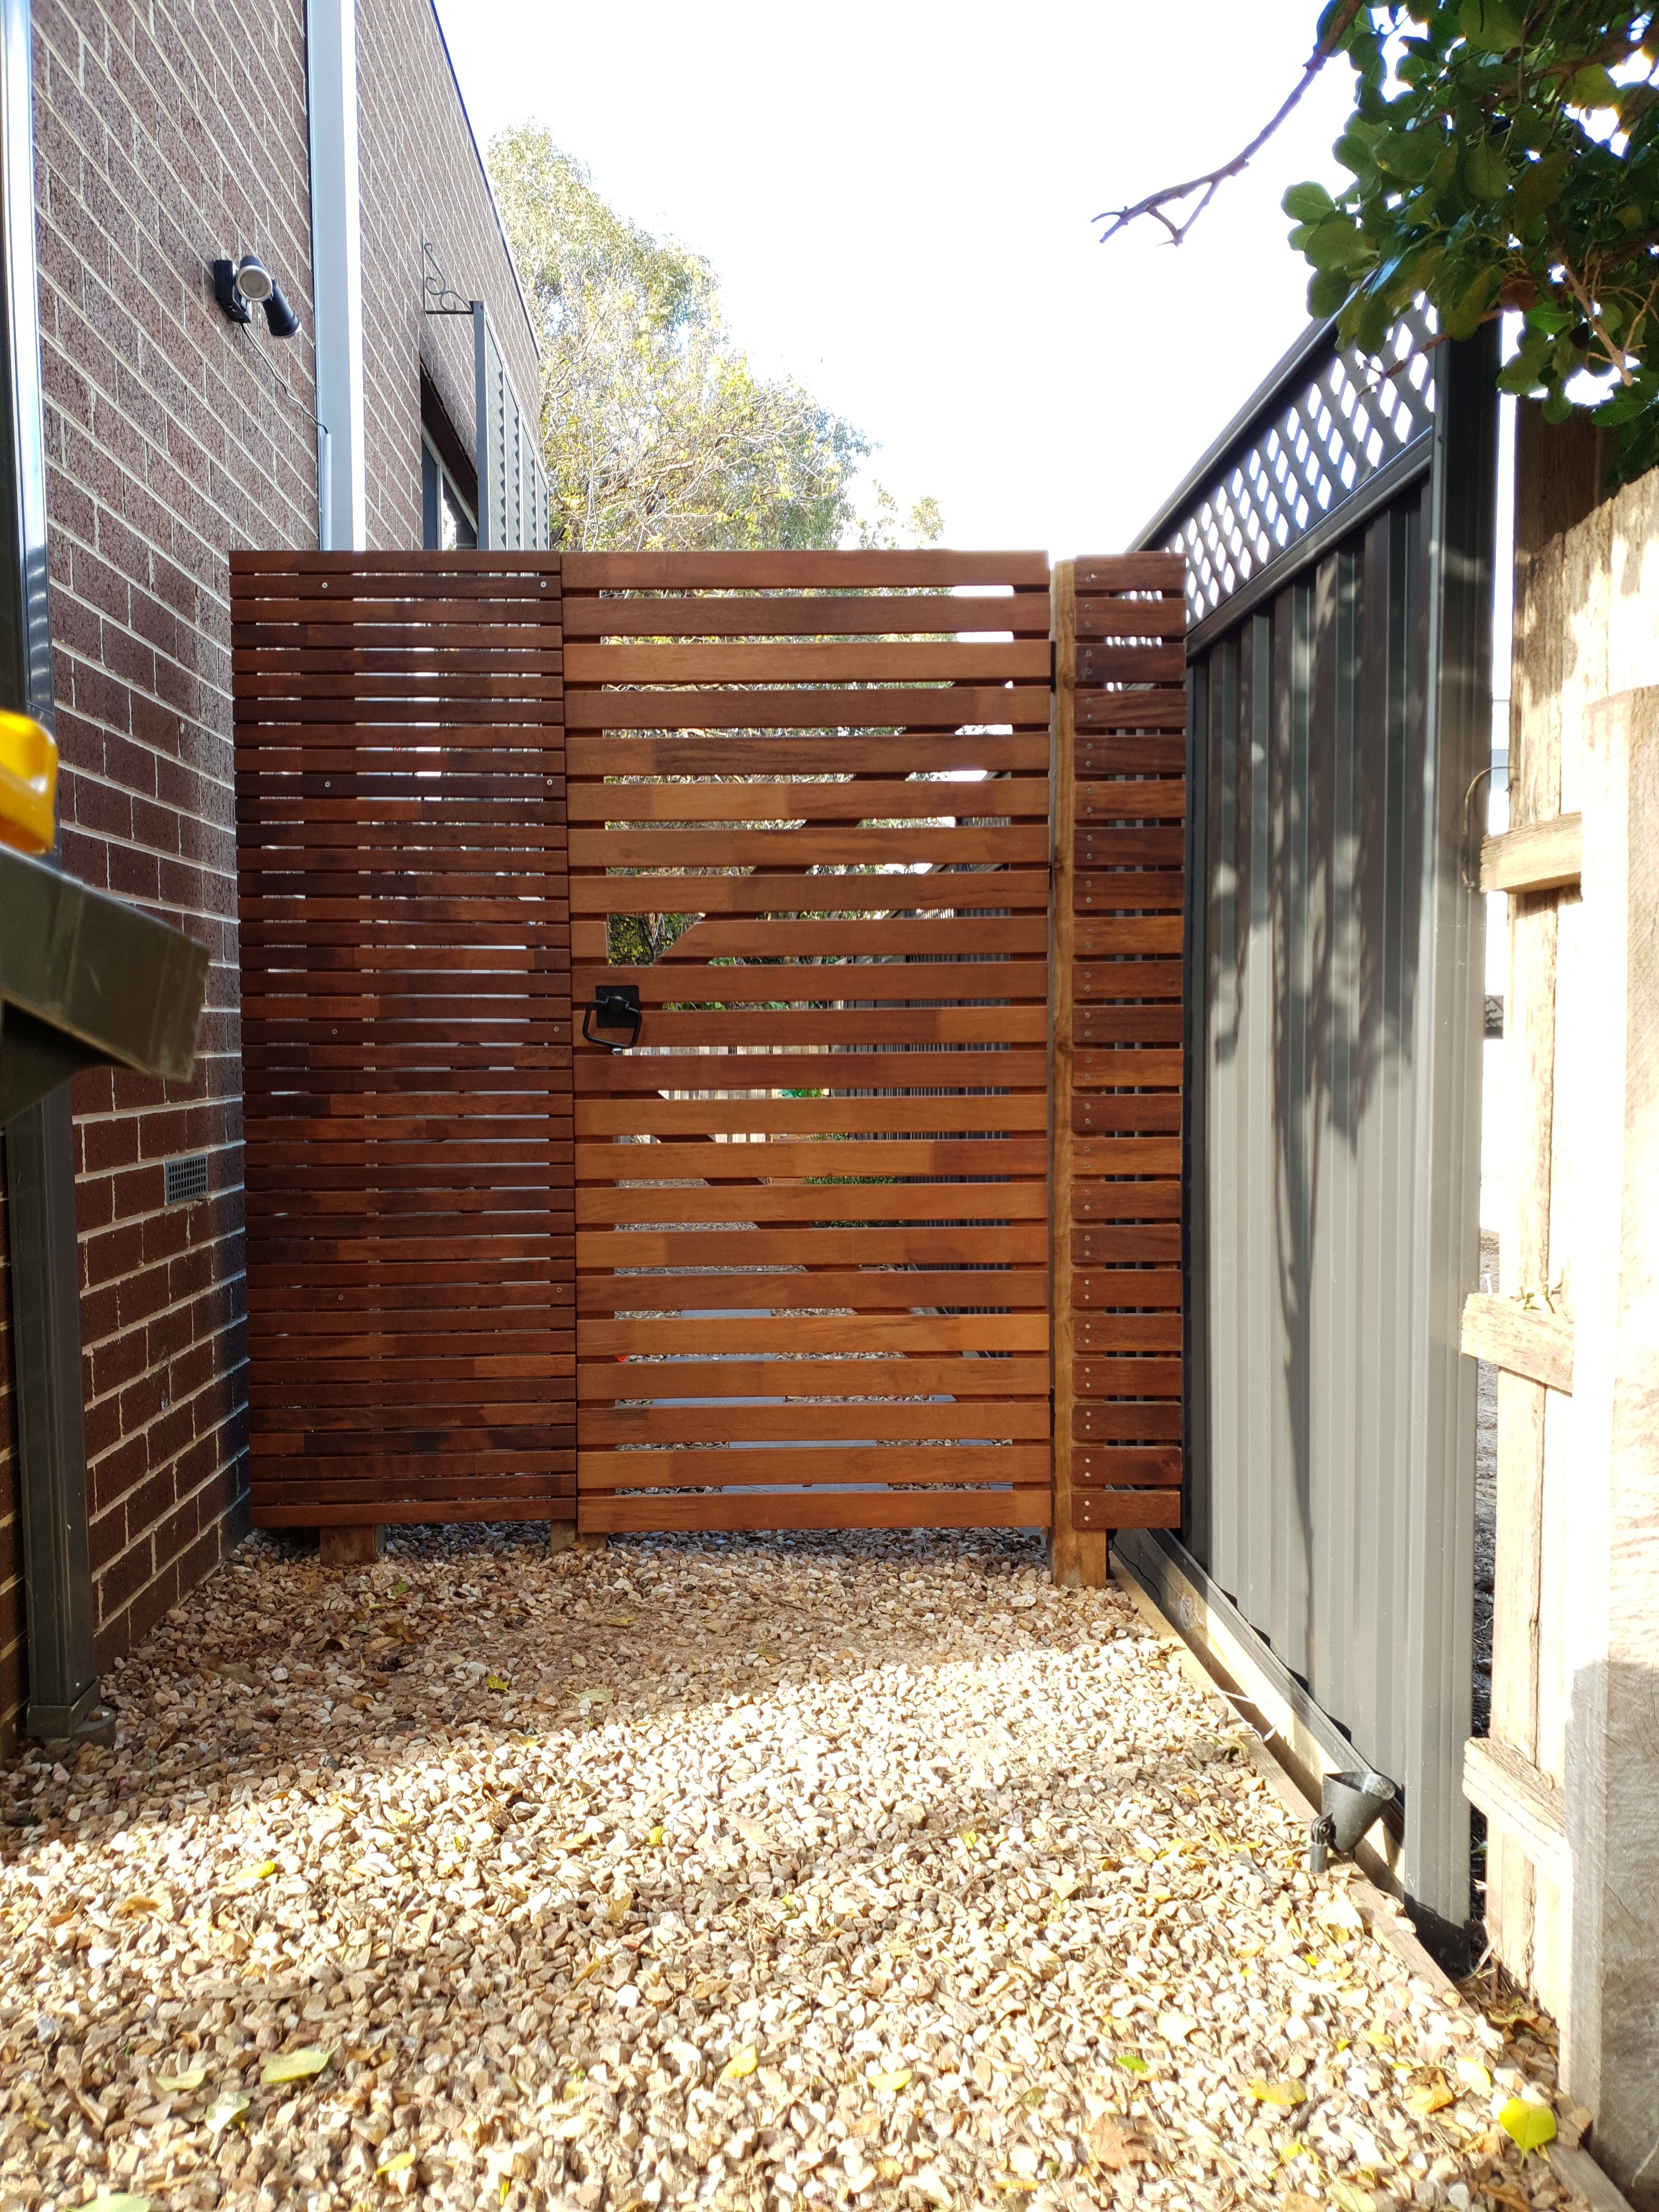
<point>187,1178</point>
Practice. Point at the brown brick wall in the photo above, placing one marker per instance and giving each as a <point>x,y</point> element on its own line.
<point>164,136</point>
<point>422,184</point>
<point>168,132</point>
<point>11,1536</point>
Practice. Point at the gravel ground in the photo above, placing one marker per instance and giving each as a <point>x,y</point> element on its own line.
<point>867,1871</point>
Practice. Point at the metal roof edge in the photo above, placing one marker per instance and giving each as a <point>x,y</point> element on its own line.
<point>494,207</point>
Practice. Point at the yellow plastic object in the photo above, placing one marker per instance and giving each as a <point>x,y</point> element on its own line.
<point>29,785</point>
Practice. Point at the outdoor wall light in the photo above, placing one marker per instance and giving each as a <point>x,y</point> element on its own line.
<point>241,286</point>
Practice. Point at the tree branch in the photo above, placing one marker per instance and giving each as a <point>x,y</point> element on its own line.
<point>1155,204</point>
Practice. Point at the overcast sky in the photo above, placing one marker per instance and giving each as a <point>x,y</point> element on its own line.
<point>897,197</point>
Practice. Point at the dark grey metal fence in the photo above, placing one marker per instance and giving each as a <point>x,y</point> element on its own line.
<point>1340,542</point>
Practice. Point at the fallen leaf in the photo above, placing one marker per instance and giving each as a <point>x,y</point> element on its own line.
<point>498,1682</point>
<point>1528,2126</point>
<point>296,2065</point>
<point>741,2064</point>
<point>889,2084</point>
<point>1114,2147</point>
<point>1473,2076</point>
<point>1286,2095</point>
<point>174,2085</point>
<point>399,2162</point>
<point>135,1904</point>
<point>1132,2063</point>
<point>227,2107</point>
<point>616,1621</point>
<point>1429,2096</point>
<point>1348,2197</point>
<point>121,2204</point>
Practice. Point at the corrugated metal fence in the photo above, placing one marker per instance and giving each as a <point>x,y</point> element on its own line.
<point>1340,592</point>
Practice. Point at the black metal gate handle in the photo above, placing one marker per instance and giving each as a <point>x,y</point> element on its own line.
<point>613,1006</point>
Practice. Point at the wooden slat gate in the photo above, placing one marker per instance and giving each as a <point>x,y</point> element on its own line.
<point>811,790</point>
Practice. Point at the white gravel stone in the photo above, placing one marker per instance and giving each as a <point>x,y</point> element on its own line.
<point>752,1872</point>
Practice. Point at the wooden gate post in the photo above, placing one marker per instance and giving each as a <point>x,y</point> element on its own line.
<point>1610,2042</point>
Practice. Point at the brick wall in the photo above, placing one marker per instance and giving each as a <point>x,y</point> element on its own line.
<point>422,184</point>
<point>167,133</point>
<point>165,136</point>
<point>11,1536</point>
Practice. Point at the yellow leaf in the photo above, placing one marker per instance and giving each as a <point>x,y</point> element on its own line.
<point>399,2162</point>
<point>655,1835</point>
<point>1528,2126</point>
<point>1429,2096</point>
<point>135,1904</point>
<point>498,1682</point>
<point>616,1620</point>
<point>1473,2076</point>
<point>296,2065</point>
<point>891,2084</point>
<point>1286,2095</point>
<point>740,2064</point>
<point>173,2085</point>
<point>121,2204</point>
<point>227,2107</point>
<point>1348,2198</point>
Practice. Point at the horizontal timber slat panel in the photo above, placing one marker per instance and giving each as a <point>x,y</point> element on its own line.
<point>923,570</point>
<point>1026,1507</point>
<point>777,758</point>
<point>943,1202</point>
<point>826,983</point>
<point>949,613</point>
<point>860,1422</point>
<point>899,1289</point>
<point>777,1157</point>
<point>853,1379</point>
<point>825,1316</point>
<point>871,707</point>
<point>993,1068</point>
<point>797,893</point>
<point>801,1117</point>
<point>779,801</point>
<point>406,1030</point>
<point>749,1467</point>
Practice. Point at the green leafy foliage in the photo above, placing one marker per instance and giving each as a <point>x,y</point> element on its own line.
<point>1503,154</point>
<point>658,433</point>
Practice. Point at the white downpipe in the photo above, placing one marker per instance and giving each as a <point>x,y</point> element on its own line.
<point>337,266</point>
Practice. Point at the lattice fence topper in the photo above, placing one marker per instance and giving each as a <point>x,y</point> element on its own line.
<point>1289,470</point>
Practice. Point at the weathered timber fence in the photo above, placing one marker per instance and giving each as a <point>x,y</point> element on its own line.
<point>1120,761</point>
<point>1337,545</point>
<point>1569,1776</point>
<point>406,1036</point>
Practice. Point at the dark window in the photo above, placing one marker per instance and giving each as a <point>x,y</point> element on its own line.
<point>446,521</point>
